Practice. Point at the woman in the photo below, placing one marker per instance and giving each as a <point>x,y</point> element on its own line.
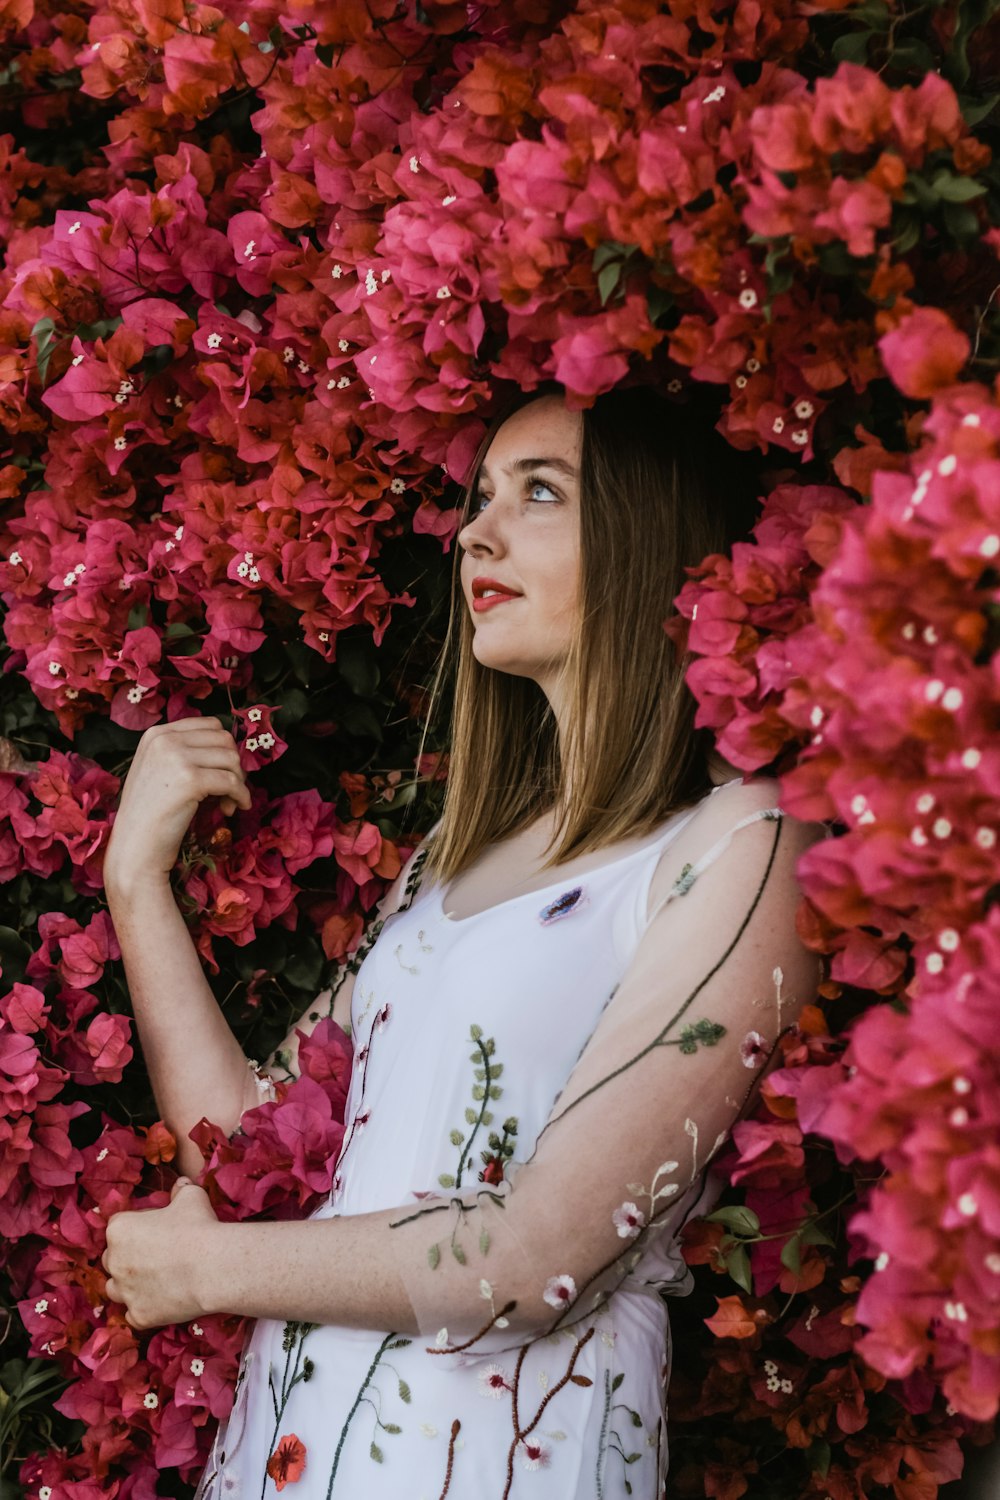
<point>564,1005</point>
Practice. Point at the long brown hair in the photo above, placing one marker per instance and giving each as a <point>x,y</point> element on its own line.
<point>660,490</point>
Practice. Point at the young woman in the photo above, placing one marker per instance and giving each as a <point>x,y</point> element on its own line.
<point>566,1001</point>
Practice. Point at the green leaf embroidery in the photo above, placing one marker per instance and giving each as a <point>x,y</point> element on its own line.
<point>485,1072</point>
<point>704,1031</point>
<point>404,1391</point>
<point>433,1256</point>
<point>376,1453</point>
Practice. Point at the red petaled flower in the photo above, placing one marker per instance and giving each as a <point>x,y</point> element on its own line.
<point>287,1461</point>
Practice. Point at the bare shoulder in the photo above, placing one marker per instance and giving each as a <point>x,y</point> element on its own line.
<point>749,811</point>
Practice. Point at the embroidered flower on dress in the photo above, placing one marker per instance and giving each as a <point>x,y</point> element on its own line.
<point>562,906</point>
<point>533,1455</point>
<point>287,1461</point>
<point>493,1381</point>
<point>560,1291</point>
<point>628,1220</point>
<point>753,1049</point>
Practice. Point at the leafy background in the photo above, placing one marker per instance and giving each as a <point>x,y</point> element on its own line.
<point>266,271</point>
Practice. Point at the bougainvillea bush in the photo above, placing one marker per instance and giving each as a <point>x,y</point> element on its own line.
<point>266,272</point>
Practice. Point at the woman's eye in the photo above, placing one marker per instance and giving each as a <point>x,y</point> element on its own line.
<point>480,501</point>
<point>539,484</point>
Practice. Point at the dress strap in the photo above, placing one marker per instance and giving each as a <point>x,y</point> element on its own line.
<point>690,873</point>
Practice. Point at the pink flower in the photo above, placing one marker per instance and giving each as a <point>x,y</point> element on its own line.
<point>629,1220</point>
<point>753,1049</point>
<point>534,1455</point>
<point>493,1381</point>
<point>560,1291</point>
<point>924,352</point>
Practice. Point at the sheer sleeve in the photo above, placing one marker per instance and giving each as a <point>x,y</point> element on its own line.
<point>719,972</point>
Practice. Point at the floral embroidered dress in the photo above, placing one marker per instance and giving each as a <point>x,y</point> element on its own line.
<point>539,1093</point>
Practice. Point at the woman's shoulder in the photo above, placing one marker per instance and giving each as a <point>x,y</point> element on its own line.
<point>727,808</point>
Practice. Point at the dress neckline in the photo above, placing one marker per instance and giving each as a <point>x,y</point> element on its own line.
<point>569,880</point>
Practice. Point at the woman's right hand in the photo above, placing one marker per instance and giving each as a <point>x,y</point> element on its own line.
<point>175,766</point>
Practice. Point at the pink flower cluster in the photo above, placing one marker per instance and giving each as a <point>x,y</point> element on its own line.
<point>148,1401</point>
<point>885,668</point>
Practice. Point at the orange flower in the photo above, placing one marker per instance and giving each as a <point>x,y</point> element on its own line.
<point>287,1461</point>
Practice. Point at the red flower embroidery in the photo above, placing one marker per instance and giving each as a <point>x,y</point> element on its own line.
<point>493,1170</point>
<point>287,1461</point>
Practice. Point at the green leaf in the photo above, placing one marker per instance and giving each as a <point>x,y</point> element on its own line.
<point>475,1032</point>
<point>659,302</point>
<point>954,189</point>
<point>813,1235</point>
<point>484,1241</point>
<point>610,250</point>
<point>819,1455</point>
<point>14,955</point>
<point>357,665</point>
<point>617,1380</point>
<point>975,108</point>
<point>433,1256</point>
<point>852,47</point>
<point>376,1453</point>
<point>908,234</point>
<point>458,1252</point>
<point>737,1218</point>
<point>608,279</point>
<point>391,1427</point>
<point>791,1256</point>
<point>471,1116</point>
<point>456,1137</point>
<point>446,1179</point>
<point>304,966</point>
<point>970,15</point>
<point>961,221</point>
<point>43,334</point>
<point>738,1265</point>
<point>404,1391</point>
<point>913,55</point>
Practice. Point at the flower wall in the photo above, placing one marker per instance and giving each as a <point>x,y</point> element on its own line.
<point>266,271</point>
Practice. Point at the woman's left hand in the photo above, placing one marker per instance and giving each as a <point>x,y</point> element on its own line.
<point>153,1257</point>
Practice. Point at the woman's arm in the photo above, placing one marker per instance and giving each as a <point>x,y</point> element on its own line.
<point>196,1066</point>
<point>718,975</point>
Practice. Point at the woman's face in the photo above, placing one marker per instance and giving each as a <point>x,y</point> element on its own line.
<point>523,534</point>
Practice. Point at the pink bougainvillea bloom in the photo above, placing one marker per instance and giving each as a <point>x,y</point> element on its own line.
<point>925,352</point>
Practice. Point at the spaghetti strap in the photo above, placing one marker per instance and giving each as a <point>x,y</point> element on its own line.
<point>690,873</point>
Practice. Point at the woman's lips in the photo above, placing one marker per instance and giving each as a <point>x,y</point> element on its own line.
<point>479,605</point>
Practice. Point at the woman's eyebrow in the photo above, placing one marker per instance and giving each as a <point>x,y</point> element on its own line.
<point>522,465</point>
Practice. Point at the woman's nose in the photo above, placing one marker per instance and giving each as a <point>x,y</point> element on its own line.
<point>477,536</point>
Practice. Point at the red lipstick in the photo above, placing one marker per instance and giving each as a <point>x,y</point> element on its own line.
<point>486,592</point>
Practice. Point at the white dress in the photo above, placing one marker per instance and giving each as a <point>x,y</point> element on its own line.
<point>465,1034</point>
